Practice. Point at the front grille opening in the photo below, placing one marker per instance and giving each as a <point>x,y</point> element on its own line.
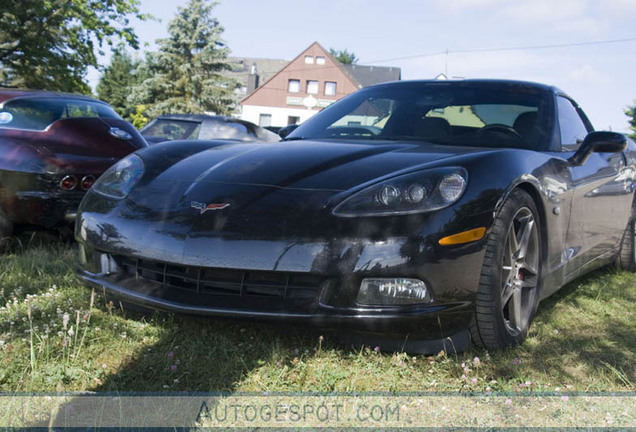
<point>224,282</point>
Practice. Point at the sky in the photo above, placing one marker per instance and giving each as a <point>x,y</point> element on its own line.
<point>415,35</point>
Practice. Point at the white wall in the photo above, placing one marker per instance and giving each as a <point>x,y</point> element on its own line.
<point>279,115</point>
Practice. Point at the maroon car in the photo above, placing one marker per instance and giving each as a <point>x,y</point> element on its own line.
<point>52,148</point>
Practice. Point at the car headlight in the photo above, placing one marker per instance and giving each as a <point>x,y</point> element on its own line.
<point>417,192</point>
<point>118,180</point>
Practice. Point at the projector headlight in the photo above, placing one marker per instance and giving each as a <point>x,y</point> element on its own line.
<point>118,180</point>
<point>417,192</point>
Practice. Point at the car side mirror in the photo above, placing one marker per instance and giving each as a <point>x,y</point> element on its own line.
<point>598,142</point>
<point>286,130</point>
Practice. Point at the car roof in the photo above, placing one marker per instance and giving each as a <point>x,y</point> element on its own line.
<point>8,94</point>
<point>480,82</point>
<point>194,117</point>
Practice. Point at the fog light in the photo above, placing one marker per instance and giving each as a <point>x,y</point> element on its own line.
<point>392,291</point>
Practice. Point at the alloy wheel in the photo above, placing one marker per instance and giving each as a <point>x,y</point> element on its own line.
<point>520,271</point>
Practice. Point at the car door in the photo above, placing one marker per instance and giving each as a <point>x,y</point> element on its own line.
<point>601,199</point>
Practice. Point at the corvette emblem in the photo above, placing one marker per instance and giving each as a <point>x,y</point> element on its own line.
<point>205,207</point>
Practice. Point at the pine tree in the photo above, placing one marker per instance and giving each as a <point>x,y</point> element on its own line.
<point>117,81</point>
<point>631,113</point>
<point>185,75</point>
<point>343,56</point>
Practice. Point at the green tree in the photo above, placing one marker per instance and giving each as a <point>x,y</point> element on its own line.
<point>49,44</point>
<point>138,118</point>
<point>186,74</point>
<point>343,56</point>
<point>117,81</point>
<point>631,113</point>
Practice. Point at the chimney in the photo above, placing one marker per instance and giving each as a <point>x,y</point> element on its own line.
<point>252,79</point>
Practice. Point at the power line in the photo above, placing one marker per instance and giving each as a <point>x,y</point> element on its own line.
<point>518,48</point>
<point>459,51</point>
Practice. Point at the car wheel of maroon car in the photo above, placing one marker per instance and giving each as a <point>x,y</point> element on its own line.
<point>6,229</point>
<point>508,292</point>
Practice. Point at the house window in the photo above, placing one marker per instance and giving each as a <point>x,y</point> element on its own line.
<point>309,60</point>
<point>320,60</point>
<point>330,88</point>
<point>312,87</point>
<point>292,120</point>
<point>294,86</point>
<point>265,120</point>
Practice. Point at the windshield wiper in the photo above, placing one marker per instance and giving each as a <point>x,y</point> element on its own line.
<point>293,139</point>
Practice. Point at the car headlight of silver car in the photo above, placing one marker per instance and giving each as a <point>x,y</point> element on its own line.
<point>118,180</point>
<point>417,192</point>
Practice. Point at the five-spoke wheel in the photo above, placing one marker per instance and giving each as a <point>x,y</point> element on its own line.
<point>520,271</point>
<point>510,281</point>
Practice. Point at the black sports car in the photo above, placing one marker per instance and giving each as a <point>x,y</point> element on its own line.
<point>171,127</point>
<point>410,214</point>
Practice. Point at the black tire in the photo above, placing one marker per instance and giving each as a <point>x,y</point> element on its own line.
<point>66,234</point>
<point>6,230</point>
<point>508,292</point>
<point>626,259</point>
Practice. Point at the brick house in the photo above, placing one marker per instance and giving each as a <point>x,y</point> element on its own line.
<point>305,85</point>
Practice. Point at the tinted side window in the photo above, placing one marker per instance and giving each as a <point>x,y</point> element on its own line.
<point>573,129</point>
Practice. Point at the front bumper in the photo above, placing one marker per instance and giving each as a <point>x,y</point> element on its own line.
<point>326,301</point>
<point>418,330</point>
<point>278,267</point>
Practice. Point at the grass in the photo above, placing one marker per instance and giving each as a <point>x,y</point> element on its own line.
<point>57,335</point>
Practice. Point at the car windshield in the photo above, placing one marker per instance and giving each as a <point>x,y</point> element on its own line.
<point>465,114</point>
<point>226,130</point>
<point>38,113</point>
<point>179,129</point>
<point>172,129</point>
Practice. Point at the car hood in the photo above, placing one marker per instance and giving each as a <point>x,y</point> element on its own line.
<point>151,139</point>
<point>308,165</point>
<point>276,182</point>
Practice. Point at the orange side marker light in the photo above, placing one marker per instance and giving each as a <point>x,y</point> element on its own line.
<point>463,237</point>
